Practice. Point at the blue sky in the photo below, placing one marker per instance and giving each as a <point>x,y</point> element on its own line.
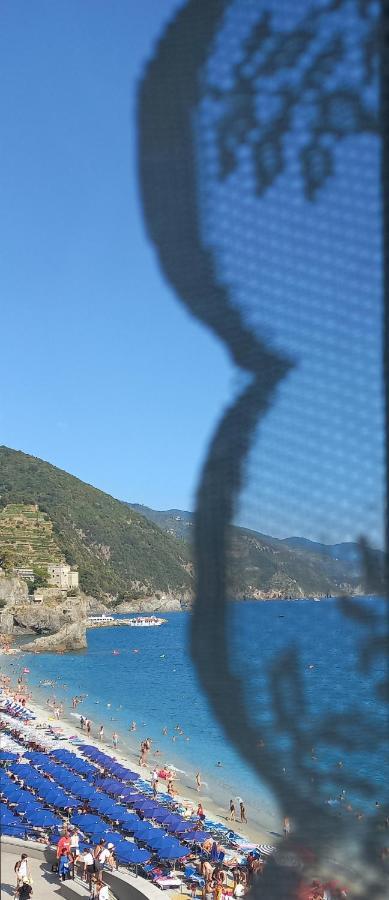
<point>107,376</point>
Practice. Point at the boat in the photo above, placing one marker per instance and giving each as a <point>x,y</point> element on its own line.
<point>133,622</point>
<point>145,621</point>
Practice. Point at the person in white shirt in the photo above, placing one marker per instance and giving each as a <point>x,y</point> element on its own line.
<point>21,870</point>
<point>89,867</point>
<point>102,854</point>
<point>102,891</point>
<point>74,847</point>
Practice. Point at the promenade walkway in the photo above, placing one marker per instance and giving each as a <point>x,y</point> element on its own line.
<point>46,885</point>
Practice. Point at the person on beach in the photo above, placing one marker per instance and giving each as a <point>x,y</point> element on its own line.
<point>89,867</point>
<point>88,727</point>
<point>198,781</point>
<point>64,862</point>
<point>154,783</point>
<point>101,855</point>
<point>115,739</point>
<point>101,732</point>
<point>102,890</point>
<point>170,788</point>
<point>200,812</point>
<point>286,827</point>
<point>74,848</point>
<point>232,816</point>
<point>22,870</point>
<point>63,844</point>
<point>143,753</point>
<point>25,890</point>
<point>242,812</point>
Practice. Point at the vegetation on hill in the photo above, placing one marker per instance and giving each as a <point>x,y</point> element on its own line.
<point>259,563</point>
<point>26,538</point>
<point>117,551</point>
<point>129,551</point>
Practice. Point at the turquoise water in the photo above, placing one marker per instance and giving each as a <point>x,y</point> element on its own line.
<point>158,687</point>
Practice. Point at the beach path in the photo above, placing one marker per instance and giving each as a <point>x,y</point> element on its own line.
<point>45,884</point>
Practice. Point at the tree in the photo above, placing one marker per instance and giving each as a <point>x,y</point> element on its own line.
<point>6,560</point>
<point>40,580</point>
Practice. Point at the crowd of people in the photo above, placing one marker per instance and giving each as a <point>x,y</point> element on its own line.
<point>89,863</point>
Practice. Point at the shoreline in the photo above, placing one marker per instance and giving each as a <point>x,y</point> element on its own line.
<point>260,829</point>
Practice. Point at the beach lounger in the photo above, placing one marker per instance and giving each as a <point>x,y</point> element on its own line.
<point>167,883</point>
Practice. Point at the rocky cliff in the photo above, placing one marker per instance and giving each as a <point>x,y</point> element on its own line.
<point>69,638</point>
<point>156,604</point>
<point>61,618</point>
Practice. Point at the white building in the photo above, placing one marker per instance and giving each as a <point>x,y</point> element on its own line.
<point>62,576</point>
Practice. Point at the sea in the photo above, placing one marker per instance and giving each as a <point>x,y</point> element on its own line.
<point>311,685</point>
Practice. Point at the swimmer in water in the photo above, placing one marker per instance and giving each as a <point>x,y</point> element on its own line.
<point>164,730</point>
<point>133,726</point>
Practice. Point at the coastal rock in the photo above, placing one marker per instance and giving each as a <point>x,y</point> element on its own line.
<point>154,604</point>
<point>95,607</point>
<point>13,590</point>
<point>50,617</point>
<point>70,637</point>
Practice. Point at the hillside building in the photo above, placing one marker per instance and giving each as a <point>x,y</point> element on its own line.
<point>23,572</point>
<point>61,575</point>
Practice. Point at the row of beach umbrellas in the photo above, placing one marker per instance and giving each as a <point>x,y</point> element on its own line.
<point>64,765</point>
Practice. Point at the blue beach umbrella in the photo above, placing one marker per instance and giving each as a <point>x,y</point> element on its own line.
<point>173,850</point>
<point>129,793</point>
<point>195,837</point>
<point>83,820</point>
<point>113,837</point>
<point>145,832</point>
<point>147,808</point>
<point>171,821</point>
<point>20,769</point>
<point>115,788</point>
<point>36,757</point>
<point>161,815</point>
<point>44,819</point>
<point>183,826</point>
<point>139,800</point>
<point>124,817</point>
<point>132,855</point>
<point>84,791</point>
<point>158,841</point>
<point>7,754</point>
<point>136,826</point>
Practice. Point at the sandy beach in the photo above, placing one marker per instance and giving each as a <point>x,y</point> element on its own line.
<point>261,829</point>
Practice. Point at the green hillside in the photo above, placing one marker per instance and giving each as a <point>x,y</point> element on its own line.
<point>132,551</point>
<point>26,537</point>
<point>117,550</point>
<point>257,562</point>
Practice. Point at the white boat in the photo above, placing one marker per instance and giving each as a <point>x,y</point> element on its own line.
<point>145,621</point>
<point>135,622</point>
<point>100,620</point>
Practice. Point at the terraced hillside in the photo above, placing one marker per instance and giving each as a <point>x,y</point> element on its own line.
<point>117,551</point>
<point>26,537</point>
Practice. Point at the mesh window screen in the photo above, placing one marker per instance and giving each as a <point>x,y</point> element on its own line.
<point>260,154</point>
